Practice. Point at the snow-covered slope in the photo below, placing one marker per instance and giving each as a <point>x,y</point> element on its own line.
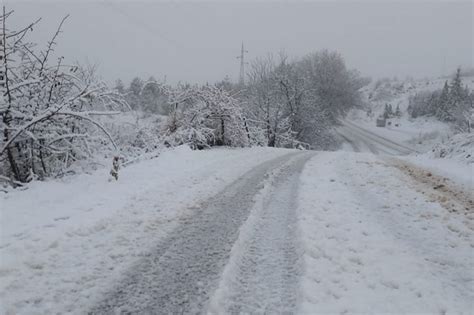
<point>396,92</point>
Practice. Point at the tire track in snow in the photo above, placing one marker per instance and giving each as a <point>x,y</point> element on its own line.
<point>358,143</point>
<point>263,273</point>
<point>377,139</point>
<point>179,275</point>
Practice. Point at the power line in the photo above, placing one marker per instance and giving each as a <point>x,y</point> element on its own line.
<point>141,23</point>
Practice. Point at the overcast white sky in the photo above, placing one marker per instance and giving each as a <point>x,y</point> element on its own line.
<point>199,41</point>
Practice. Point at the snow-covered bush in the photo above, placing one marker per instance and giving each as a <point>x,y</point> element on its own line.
<point>459,147</point>
<point>135,134</point>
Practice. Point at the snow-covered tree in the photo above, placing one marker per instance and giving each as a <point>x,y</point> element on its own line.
<point>119,86</point>
<point>152,96</point>
<point>50,112</point>
<point>452,104</point>
<point>442,108</point>
<point>298,102</point>
<point>205,116</point>
<point>398,112</point>
<point>134,93</point>
<point>267,101</point>
<point>460,103</point>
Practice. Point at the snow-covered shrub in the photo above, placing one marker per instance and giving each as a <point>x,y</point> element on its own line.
<point>459,147</point>
<point>135,135</point>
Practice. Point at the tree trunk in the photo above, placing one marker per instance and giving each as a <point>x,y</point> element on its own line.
<point>10,156</point>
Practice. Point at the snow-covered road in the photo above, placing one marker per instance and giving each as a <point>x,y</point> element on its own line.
<point>181,272</point>
<point>245,231</point>
<point>65,243</point>
<point>263,273</point>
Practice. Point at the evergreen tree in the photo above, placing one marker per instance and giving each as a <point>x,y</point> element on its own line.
<point>386,112</point>
<point>442,106</point>
<point>459,102</point>
<point>390,110</point>
<point>457,94</point>
<point>398,112</point>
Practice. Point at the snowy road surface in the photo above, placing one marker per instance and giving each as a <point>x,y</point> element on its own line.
<point>180,273</point>
<point>363,140</point>
<point>280,231</point>
<point>263,273</point>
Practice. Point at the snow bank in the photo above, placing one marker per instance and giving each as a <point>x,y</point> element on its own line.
<point>460,148</point>
<point>453,159</point>
<point>64,242</point>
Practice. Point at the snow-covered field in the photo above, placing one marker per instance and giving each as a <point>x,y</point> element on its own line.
<point>63,242</point>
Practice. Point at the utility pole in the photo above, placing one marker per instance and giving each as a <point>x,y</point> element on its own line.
<point>242,64</point>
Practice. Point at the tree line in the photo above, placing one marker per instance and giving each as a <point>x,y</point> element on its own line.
<point>55,115</point>
<point>284,103</point>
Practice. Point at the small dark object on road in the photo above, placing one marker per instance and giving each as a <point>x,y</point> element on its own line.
<point>380,122</point>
